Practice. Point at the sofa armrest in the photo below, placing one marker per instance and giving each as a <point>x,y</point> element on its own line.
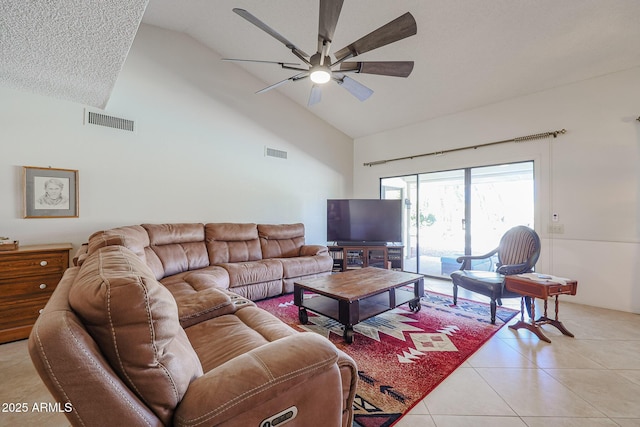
<point>207,304</point>
<point>81,255</point>
<point>270,372</point>
<point>312,250</point>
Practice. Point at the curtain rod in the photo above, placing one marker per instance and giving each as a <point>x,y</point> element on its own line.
<point>439,153</point>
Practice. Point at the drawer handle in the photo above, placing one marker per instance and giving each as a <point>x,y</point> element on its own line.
<point>43,286</point>
<point>43,263</point>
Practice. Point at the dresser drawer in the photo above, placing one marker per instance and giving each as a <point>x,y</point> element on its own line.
<point>27,287</point>
<point>21,313</point>
<point>20,265</point>
<point>559,289</point>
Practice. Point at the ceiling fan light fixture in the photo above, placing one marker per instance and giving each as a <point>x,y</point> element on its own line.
<point>320,74</point>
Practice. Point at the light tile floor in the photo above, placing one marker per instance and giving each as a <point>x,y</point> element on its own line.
<point>517,380</point>
<point>513,380</point>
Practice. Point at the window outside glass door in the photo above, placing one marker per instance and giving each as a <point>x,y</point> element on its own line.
<point>463,211</point>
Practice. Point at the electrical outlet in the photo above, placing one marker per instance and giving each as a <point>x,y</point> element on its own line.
<point>556,228</point>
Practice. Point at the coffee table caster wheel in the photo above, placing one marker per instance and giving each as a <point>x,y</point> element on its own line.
<point>348,334</point>
<point>303,316</point>
<point>414,306</point>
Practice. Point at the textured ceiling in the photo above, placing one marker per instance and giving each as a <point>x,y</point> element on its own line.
<point>67,49</point>
<point>467,53</point>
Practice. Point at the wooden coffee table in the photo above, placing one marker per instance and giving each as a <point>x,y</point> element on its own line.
<point>540,286</point>
<point>356,295</point>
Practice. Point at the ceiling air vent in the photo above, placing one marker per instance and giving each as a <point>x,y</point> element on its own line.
<point>100,119</point>
<point>272,152</point>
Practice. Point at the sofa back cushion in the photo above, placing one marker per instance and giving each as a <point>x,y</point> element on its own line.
<point>134,321</point>
<point>134,238</point>
<point>231,242</point>
<point>179,247</point>
<point>281,240</point>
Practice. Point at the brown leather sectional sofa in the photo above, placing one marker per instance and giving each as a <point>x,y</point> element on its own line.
<point>155,325</point>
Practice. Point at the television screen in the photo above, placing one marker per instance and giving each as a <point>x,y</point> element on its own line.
<point>364,220</point>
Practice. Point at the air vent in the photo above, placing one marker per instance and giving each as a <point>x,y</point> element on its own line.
<point>272,152</point>
<point>99,119</point>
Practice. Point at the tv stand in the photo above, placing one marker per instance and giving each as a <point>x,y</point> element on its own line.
<point>362,244</point>
<point>356,255</point>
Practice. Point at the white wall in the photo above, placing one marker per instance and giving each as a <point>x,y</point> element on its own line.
<point>589,176</point>
<point>198,154</point>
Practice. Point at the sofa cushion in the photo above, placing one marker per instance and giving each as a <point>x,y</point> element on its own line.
<point>231,242</point>
<point>249,328</point>
<point>248,273</point>
<point>281,240</point>
<point>179,247</point>
<point>305,266</point>
<point>134,321</point>
<point>190,282</point>
<point>134,238</point>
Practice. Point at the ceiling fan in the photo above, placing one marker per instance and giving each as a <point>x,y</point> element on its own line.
<point>320,69</point>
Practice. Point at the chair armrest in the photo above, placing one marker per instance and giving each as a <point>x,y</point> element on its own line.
<point>247,381</point>
<point>311,250</point>
<point>466,259</point>
<point>509,269</point>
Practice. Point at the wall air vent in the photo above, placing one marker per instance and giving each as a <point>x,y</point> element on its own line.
<point>272,152</point>
<point>100,119</point>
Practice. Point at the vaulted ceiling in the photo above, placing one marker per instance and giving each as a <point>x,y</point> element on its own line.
<point>467,53</point>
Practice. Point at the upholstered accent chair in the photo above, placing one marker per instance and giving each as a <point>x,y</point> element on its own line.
<point>518,252</point>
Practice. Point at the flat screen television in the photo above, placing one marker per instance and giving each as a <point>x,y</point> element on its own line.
<point>364,221</point>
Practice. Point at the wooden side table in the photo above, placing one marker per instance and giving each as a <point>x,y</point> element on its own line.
<point>540,286</point>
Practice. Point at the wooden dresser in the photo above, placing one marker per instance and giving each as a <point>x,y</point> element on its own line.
<point>28,276</point>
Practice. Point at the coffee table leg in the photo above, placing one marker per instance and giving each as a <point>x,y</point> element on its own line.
<point>348,334</point>
<point>418,292</point>
<point>303,316</point>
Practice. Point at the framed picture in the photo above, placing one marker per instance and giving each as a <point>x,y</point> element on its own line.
<point>50,193</point>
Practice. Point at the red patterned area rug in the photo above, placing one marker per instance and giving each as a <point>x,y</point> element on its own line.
<point>401,355</point>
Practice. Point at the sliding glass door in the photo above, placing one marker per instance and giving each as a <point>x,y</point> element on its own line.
<point>441,215</point>
<point>457,212</point>
<point>501,198</point>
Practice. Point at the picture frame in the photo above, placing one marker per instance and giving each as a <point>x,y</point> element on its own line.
<point>50,192</point>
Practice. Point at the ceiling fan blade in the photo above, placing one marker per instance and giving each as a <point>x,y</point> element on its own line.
<point>286,65</point>
<point>398,29</point>
<point>356,89</point>
<point>267,29</point>
<point>383,68</point>
<point>281,82</point>
<point>329,14</point>
<point>259,61</point>
<point>315,95</point>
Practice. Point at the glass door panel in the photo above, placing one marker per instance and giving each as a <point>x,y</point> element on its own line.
<point>405,188</point>
<point>501,197</point>
<point>355,259</point>
<point>441,221</point>
<point>376,258</point>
